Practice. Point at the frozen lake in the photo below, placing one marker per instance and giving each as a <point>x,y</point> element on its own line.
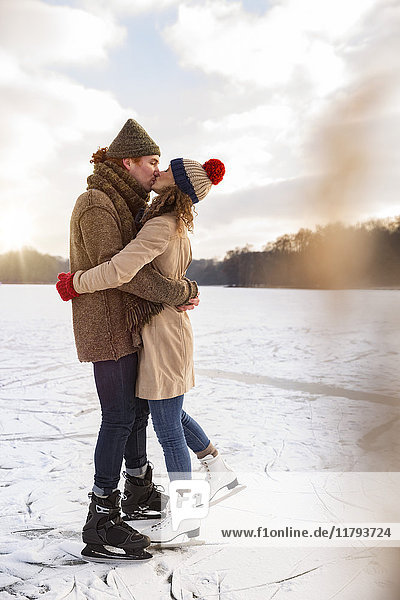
<point>287,380</point>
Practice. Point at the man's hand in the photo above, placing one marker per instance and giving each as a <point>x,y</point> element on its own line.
<point>190,305</point>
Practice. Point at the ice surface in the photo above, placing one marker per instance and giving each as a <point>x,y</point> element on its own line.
<point>287,380</point>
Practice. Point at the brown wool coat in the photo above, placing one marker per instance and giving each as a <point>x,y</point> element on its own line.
<point>166,358</point>
<point>99,319</point>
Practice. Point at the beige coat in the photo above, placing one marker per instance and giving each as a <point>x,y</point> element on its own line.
<point>166,359</point>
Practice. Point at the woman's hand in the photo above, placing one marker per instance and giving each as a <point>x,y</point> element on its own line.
<point>65,286</point>
<point>190,304</point>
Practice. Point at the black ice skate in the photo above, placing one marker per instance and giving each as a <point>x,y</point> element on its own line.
<point>142,499</point>
<point>107,536</point>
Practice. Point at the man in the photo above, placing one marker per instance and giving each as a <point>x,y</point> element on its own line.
<point>107,328</point>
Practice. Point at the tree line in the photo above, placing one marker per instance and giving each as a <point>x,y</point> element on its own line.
<point>333,256</point>
<point>30,266</point>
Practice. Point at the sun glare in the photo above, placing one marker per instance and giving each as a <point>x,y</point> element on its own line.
<point>15,230</point>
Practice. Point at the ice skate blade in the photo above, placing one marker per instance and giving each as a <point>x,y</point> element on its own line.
<point>117,561</point>
<point>108,554</point>
<point>178,542</point>
<point>75,548</point>
<point>144,516</point>
<point>186,538</point>
<point>226,493</point>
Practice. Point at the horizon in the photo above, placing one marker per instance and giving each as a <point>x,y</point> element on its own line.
<point>385,221</point>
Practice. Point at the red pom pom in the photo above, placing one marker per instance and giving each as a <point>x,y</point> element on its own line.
<point>215,170</point>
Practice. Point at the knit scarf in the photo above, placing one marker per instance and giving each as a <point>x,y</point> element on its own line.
<point>128,197</point>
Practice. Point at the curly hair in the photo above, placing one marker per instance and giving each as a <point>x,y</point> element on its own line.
<point>169,200</point>
<point>100,156</point>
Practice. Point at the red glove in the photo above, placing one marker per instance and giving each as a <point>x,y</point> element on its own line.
<point>65,286</point>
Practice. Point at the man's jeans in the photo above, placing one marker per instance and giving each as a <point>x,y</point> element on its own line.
<point>124,420</point>
<point>175,431</point>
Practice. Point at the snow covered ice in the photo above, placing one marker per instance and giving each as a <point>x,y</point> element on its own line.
<point>286,381</point>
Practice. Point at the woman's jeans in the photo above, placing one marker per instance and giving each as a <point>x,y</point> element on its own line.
<point>175,431</point>
<point>124,420</point>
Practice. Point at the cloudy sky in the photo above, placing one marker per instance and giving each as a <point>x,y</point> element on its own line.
<point>299,98</point>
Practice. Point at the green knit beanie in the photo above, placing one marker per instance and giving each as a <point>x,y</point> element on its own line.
<point>131,142</point>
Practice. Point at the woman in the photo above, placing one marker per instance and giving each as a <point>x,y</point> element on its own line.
<point>166,359</point>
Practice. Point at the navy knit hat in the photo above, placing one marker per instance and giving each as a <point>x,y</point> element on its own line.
<point>195,179</point>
